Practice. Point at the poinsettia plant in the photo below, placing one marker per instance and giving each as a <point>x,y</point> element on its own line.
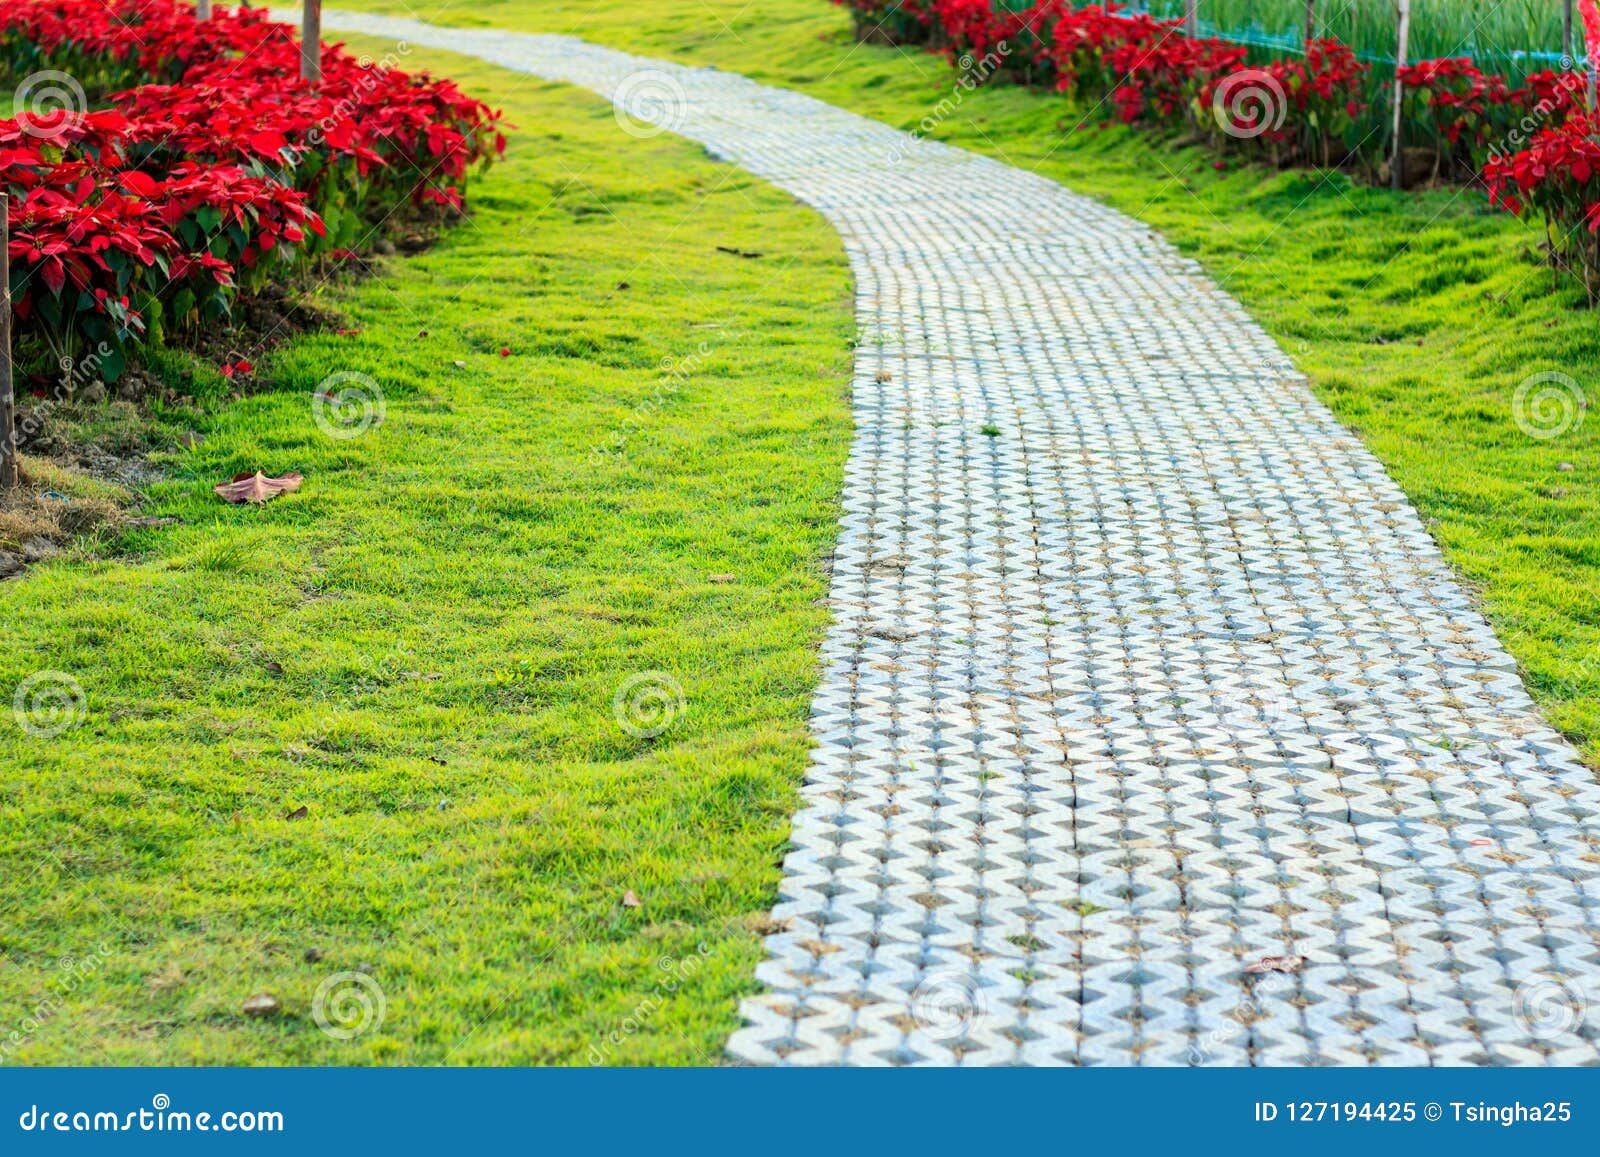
<point>204,173</point>
<point>1556,179</point>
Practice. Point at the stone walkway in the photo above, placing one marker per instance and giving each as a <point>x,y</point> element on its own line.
<point>1141,670</point>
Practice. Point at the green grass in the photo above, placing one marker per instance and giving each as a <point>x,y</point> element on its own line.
<point>1416,316</point>
<point>422,648</point>
<point>467,584</point>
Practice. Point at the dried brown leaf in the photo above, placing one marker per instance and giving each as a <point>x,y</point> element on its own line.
<point>257,487</point>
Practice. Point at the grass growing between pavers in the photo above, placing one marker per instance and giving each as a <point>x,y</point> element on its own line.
<point>423,646</point>
<point>1415,317</point>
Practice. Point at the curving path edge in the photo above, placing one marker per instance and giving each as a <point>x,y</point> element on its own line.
<point>1141,670</point>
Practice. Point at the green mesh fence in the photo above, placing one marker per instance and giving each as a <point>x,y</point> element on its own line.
<point>1513,37</point>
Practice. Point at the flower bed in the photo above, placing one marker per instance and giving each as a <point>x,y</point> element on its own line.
<point>1530,145</point>
<point>216,174</point>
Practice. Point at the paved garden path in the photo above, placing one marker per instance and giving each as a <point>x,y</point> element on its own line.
<point>1141,670</point>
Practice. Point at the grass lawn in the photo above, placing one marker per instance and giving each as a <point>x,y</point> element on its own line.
<point>1415,317</point>
<point>423,646</point>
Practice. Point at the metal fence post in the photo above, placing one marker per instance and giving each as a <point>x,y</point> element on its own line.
<point>1191,17</point>
<point>202,9</point>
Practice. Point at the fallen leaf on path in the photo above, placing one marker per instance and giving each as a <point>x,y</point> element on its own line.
<point>1276,964</point>
<point>313,955</point>
<point>504,352</point>
<point>255,487</point>
<point>189,439</point>
<point>461,365</point>
<point>299,813</point>
<point>262,1004</point>
<point>722,578</point>
<point>629,900</point>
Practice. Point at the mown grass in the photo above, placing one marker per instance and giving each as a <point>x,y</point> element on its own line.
<point>465,585</point>
<point>422,647</point>
<point>1416,316</point>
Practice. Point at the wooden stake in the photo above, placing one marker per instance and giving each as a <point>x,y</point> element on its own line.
<point>311,41</point>
<point>9,474</point>
<point>1397,162</point>
<point>1191,17</point>
<point>202,9</point>
<point>1568,60</point>
<point>1311,19</point>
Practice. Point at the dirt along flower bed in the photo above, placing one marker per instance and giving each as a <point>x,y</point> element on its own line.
<point>173,185</point>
